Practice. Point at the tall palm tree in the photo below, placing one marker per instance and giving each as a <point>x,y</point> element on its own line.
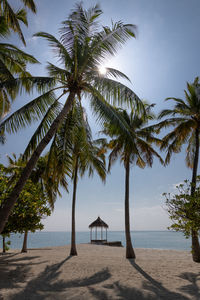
<point>185,118</point>
<point>133,147</point>
<point>73,145</point>
<point>82,47</point>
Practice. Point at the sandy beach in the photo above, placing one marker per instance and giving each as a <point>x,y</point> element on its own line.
<point>98,272</point>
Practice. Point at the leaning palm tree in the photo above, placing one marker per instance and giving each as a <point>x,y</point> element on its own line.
<point>73,145</point>
<point>133,147</point>
<point>185,118</point>
<point>82,47</point>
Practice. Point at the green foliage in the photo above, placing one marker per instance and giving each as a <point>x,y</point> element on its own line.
<point>31,207</point>
<point>43,173</point>
<point>184,209</point>
<point>13,61</point>
<point>11,18</point>
<point>73,145</point>
<point>6,244</point>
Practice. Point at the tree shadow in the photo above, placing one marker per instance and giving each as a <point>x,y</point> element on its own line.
<point>11,278</point>
<point>47,284</point>
<point>155,286</point>
<point>192,288</point>
<point>10,259</point>
<point>122,292</point>
<point>13,271</point>
<point>7,255</point>
<point>147,292</point>
<point>15,262</point>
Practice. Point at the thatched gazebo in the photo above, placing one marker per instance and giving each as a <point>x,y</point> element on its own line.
<point>98,223</point>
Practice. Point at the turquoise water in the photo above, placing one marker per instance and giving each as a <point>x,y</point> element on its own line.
<point>140,239</point>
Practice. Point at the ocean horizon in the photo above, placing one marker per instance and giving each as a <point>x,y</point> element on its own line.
<point>140,239</point>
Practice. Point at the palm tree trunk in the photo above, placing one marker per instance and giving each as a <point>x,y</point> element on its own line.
<point>10,201</point>
<point>73,233</point>
<point>129,248</point>
<point>4,244</point>
<point>195,238</point>
<point>24,247</point>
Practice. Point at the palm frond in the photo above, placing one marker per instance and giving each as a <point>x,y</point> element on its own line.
<point>117,93</point>
<point>106,113</point>
<point>42,129</point>
<point>30,4</point>
<point>15,52</point>
<point>28,84</point>
<point>113,73</point>
<point>12,20</point>
<point>109,40</point>
<point>60,50</point>
<point>179,135</point>
<point>80,26</point>
<point>57,72</point>
<point>148,152</point>
<point>30,112</point>
<point>4,28</point>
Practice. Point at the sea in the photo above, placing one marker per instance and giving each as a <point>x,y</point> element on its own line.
<point>140,239</point>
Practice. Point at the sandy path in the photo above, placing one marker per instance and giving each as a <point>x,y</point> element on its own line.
<point>98,272</point>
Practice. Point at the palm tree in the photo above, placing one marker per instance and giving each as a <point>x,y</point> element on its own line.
<point>73,145</point>
<point>133,147</point>
<point>82,47</point>
<point>185,118</point>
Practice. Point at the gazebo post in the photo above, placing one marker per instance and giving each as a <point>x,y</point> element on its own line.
<point>91,235</point>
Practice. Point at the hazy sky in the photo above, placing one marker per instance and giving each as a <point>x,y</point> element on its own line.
<point>159,62</point>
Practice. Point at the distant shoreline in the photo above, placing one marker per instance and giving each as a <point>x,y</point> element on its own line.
<point>11,251</point>
<point>140,239</point>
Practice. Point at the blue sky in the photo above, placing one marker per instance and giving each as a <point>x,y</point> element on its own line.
<point>159,62</point>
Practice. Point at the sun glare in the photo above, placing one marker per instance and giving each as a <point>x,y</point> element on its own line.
<point>102,70</point>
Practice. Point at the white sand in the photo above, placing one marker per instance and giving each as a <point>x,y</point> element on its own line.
<point>99,272</point>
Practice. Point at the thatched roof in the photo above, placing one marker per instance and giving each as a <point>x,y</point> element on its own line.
<point>98,223</point>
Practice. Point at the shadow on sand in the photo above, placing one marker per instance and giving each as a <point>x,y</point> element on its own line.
<point>151,289</point>
<point>47,285</point>
<point>192,288</point>
<point>13,270</point>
